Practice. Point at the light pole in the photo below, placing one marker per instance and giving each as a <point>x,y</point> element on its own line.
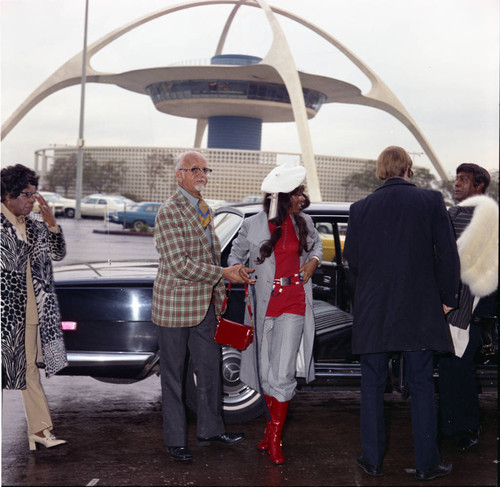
<point>80,142</point>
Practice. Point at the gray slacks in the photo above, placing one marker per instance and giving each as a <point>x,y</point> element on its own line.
<point>280,343</point>
<point>205,356</point>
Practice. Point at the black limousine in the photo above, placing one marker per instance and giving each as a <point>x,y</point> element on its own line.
<point>106,318</point>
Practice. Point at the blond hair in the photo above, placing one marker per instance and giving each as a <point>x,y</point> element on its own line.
<point>393,162</point>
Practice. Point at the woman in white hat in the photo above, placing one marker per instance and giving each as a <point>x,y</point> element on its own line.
<point>283,247</point>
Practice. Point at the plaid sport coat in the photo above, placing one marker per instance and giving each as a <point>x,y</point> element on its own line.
<point>189,272</point>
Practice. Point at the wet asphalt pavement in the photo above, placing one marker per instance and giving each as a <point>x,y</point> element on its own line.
<point>114,435</point>
<point>114,431</point>
<point>83,244</point>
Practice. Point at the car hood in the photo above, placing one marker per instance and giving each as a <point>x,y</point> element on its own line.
<point>120,271</point>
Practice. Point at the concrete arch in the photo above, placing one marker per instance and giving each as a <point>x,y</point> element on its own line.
<point>379,96</point>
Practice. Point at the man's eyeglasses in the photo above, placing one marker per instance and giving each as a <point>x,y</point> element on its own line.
<point>28,194</point>
<point>198,170</point>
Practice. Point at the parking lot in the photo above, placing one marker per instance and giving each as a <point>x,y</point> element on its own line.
<point>83,245</point>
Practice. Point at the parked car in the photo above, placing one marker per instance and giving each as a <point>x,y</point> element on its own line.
<point>124,199</point>
<point>100,205</point>
<point>137,215</point>
<point>326,233</point>
<point>256,198</point>
<point>60,206</point>
<point>106,313</point>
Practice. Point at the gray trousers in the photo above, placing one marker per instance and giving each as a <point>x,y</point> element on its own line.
<point>205,356</point>
<point>280,343</point>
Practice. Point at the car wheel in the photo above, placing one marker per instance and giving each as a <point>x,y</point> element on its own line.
<point>70,212</point>
<point>138,225</point>
<point>240,403</point>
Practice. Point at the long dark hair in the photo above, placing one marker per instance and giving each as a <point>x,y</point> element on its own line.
<point>284,203</point>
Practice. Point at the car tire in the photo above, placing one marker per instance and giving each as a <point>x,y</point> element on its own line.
<point>240,403</point>
<point>69,212</point>
<point>138,224</point>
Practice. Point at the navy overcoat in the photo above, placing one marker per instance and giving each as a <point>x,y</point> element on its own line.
<point>401,246</point>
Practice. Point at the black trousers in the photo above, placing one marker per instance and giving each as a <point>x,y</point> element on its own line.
<point>205,356</point>
<point>419,372</point>
<point>458,388</point>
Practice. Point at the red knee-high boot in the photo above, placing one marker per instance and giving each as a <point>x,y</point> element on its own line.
<point>278,416</point>
<point>264,444</point>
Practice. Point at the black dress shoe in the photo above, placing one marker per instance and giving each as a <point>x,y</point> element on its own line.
<point>225,438</point>
<point>468,439</point>
<point>179,453</point>
<point>440,470</point>
<point>465,443</point>
<point>375,471</point>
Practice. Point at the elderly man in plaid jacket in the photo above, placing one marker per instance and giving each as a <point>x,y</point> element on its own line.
<point>187,296</point>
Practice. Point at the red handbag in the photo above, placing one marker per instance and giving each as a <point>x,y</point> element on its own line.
<point>232,333</point>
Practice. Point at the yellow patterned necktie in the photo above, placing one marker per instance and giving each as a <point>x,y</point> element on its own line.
<point>204,211</point>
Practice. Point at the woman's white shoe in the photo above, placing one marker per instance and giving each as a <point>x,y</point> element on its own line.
<point>48,440</point>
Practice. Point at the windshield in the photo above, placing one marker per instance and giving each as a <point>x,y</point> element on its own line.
<point>226,226</point>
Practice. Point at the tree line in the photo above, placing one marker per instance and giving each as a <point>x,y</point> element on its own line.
<point>105,177</point>
<point>367,182</point>
<point>97,177</point>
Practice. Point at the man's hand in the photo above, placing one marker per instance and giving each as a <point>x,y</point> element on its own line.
<point>308,270</point>
<point>446,309</point>
<point>238,274</point>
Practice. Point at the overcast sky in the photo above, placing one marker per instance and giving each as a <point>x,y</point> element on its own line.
<point>439,57</point>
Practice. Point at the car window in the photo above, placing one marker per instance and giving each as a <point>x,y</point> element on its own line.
<point>329,278</point>
<point>226,226</point>
<point>101,202</point>
<point>326,233</point>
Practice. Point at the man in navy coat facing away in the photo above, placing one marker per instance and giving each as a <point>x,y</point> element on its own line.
<point>401,247</point>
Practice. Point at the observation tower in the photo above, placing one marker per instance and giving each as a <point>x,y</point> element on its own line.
<point>236,94</point>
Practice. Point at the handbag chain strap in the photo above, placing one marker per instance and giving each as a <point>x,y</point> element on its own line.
<point>247,300</point>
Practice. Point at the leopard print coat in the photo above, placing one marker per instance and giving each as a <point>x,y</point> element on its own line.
<point>42,247</point>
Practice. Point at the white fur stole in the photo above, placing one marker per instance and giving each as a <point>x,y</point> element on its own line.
<point>478,247</point>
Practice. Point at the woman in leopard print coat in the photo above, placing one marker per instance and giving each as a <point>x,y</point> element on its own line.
<point>41,245</point>
<point>30,312</point>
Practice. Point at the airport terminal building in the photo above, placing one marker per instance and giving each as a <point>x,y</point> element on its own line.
<point>236,173</point>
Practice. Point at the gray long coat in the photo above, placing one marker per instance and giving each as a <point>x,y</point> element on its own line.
<point>41,248</point>
<point>245,250</point>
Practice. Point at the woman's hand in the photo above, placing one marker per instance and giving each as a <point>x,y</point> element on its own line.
<point>308,269</point>
<point>45,211</point>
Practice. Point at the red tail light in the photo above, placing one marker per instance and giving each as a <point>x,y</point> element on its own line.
<point>68,325</point>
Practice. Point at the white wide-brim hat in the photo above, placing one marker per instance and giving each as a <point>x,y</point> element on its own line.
<point>284,178</point>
